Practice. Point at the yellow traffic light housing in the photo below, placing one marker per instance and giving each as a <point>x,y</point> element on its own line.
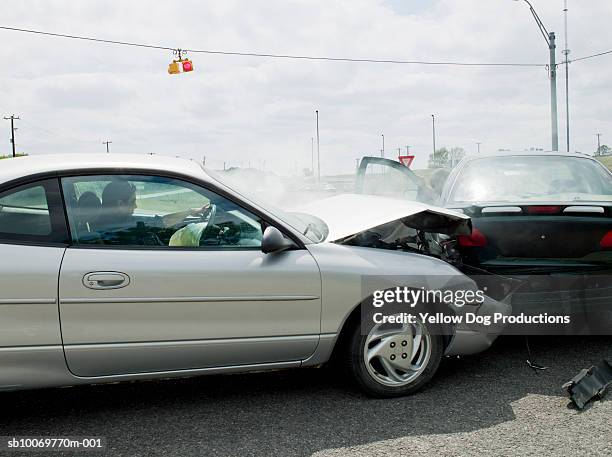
<point>173,68</point>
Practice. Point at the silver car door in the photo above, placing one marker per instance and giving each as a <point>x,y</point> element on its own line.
<point>173,298</point>
<point>32,243</point>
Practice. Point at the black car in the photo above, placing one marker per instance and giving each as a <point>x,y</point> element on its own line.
<point>544,219</point>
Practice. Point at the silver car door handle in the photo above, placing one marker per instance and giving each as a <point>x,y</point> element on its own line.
<point>106,280</point>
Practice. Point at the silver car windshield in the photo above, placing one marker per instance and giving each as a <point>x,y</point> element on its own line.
<point>532,179</point>
<point>312,227</point>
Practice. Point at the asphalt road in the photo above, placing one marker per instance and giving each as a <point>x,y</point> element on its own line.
<point>491,403</point>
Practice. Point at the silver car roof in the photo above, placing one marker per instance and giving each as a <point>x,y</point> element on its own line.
<point>19,167</point>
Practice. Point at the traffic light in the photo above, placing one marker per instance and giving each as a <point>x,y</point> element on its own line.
<point>173,68</point>
<point>180,66</point>
<point>187,65</point>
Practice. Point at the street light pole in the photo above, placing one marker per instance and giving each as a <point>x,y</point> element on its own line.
<point>107,143</point>
<point>312,156</point>
<point>478,145</point>
<point>382,151</point>
<point>549,37</point>
<point>566,52</point>
<point>433,130</point>
<point>318,151</point>
<point>598,144</point>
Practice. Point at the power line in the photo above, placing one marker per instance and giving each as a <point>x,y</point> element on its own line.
<point>300,57</point>
<point>58,135</point>
<point>590,57</point>
<point>77,37</point>
<point>279,56</point>
<point>355,60</point>
<point>61,136</point>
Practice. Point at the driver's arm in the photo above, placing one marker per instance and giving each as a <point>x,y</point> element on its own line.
<point>172,219</point>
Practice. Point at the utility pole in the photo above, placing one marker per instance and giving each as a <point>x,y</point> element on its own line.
<point>107,143</point>
<point>598,144</point>
<point>549,37</point>
<point>12,119</point>
<point>478,145</point>
<point>382,151</point>
<point>433,129</point>
<point>318,151</point>
<point>312,155</point>
<point>553,92</point>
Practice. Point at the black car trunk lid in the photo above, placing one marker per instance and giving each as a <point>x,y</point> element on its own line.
<point>539,235</point>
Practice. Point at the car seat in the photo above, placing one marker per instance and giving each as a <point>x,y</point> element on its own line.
<point>88,210</point>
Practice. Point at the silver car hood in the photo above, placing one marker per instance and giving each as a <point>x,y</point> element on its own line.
<point>351,214</point>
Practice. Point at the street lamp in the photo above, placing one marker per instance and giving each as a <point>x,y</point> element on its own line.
<point>549,37</point>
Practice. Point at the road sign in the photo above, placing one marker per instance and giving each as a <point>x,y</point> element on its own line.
<point>406,160</point>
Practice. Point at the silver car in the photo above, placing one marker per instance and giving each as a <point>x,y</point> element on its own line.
<point>138,267</point>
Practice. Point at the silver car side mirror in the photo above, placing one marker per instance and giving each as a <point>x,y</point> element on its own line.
<point>274,241</point>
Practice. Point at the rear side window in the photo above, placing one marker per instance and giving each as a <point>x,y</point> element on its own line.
<point>32,213</point>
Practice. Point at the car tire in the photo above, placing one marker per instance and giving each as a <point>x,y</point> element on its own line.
<point>383,378</point>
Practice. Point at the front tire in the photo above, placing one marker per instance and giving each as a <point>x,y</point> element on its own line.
<point>392,360</point>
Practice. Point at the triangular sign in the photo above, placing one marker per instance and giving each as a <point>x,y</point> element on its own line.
<point>406,160</point>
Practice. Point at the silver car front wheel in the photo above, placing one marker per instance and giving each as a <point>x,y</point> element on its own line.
<point>396,355</point>
<point>391,360</point>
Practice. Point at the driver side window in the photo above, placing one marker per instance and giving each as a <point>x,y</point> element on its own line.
<point>154,211</point>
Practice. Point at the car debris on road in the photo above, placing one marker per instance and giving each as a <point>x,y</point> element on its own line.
<point>590,384</point>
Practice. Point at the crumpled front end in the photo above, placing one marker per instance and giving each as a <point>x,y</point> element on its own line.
<point>396,225</point>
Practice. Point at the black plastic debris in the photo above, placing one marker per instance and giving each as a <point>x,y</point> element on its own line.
<point>590,384</point>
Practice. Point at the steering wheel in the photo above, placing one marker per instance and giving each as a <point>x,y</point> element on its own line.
<point>230,234</point>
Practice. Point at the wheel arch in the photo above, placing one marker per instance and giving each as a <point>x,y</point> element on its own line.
<point>353,318</point>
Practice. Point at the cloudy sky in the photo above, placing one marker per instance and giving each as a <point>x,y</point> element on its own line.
<point>72,95</point>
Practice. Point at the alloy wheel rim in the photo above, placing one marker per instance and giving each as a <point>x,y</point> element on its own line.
<point>396,354</point>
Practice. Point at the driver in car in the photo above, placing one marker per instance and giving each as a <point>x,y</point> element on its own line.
<point>118,223</point>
